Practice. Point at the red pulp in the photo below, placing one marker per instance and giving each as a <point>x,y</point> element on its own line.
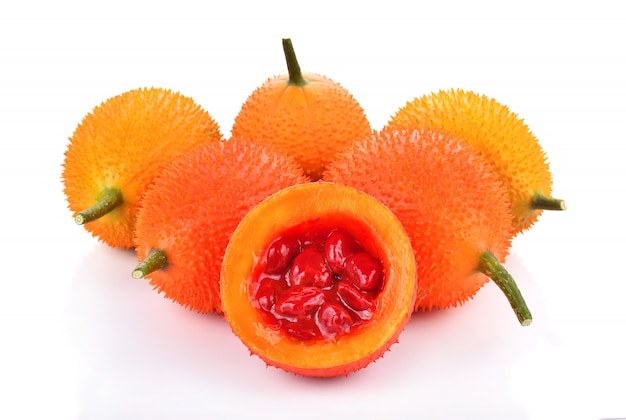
<point>316,281</point>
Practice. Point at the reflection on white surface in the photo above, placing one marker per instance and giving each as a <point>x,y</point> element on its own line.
<point>141,353</point>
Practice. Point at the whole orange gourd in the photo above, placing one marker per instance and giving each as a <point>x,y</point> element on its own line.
<point>119,148</point>
<point>452,205</point>
<point>500,136</point>
<point>190,210</point>
<point>307,116</point>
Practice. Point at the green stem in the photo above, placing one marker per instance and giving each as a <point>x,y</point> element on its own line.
<point>155,260</point>
<point>109,200</point>
<point>295,74</point>
<point>491,267</point>
<point>541,202</point>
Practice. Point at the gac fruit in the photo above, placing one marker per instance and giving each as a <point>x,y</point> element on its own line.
<point>307,116</point>
<point>499,135</point>
<point>192,208</point>
<point>319,280</point>
<point>119,148</point>
<point>452,205</point>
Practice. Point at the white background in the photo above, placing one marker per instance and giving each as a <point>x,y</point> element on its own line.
<point>79,338</point>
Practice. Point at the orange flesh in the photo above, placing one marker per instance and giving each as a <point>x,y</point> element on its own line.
<point>357,212</point>
<point>317,282</point>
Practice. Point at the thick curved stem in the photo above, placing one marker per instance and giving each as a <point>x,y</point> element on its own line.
<point>541,202</point>
<point>295,74</point>
<point>491,267</point>
<point>109,200</point>
<point>155,260</point>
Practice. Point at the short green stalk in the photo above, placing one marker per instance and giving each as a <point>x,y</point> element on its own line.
<point>491,267</point>
<point>109,200</point>
<point>295,74</point>
<point>155,260</point>
<point>541,202</point>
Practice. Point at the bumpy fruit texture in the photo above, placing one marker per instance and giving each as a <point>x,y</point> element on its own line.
<point>305,115</point>
<point>192,208</point>
<point>451,203</point>
<point>499,135</point>
<point>289,307</point>
<point>119,148</point>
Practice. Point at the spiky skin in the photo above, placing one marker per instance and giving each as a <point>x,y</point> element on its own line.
<point>498,134</point>
<point>450,201</point>
<point>123,144</point>
<point>311,123</point>
<point>193,207</point>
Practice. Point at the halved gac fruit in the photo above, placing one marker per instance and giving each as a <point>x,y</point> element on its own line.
<point>319,279</point>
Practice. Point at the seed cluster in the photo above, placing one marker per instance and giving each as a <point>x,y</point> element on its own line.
<point>317,283</point>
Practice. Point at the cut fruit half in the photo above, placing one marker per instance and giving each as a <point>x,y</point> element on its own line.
<point>319,279</point>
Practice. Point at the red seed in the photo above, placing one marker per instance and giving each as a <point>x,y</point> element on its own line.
<point>310,269</point>
<point>353,298</point>
<point>364,271</point>
<point>333,320</point>
<point>337,248</point>
<point>280,253</point>
<point>299,301</point>
<point>266,294</point>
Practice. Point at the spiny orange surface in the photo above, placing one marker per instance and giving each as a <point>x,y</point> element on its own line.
<point>312,123</point>
<point>499,135</point>
<point>448,198</point>
<point>193,207</point>
<point>123,144</point>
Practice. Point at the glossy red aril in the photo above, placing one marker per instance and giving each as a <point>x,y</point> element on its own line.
<point>353,298</point>
<point>310,269</point>
<point>338,247</point>
<point>299,301</point>
<point>266,294</point>
<point>308,299</point>
<point>280,254</point>
<point>333,320</point>
<point>364,271</point>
